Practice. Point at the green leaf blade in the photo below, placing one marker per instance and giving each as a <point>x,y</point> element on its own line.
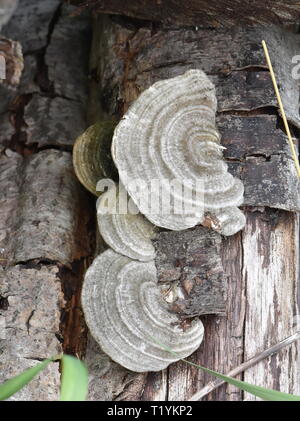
<point>13,385</point>
<point>260,392</point>
<point>74,385</point>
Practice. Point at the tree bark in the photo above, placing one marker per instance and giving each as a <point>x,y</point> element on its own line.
<point>46,216</point>
<point>47,229</point>
<point>194,12</point>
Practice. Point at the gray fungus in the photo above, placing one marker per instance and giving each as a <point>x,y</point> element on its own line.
<point>169,135</point>
<point>128,317</point>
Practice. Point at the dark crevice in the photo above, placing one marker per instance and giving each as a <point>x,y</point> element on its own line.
<point>258,156</point>
<point>4,304</point>
<point>33,148</point>
<point>36,264</point>
<point>36,149</point>
<point>28,321</point>
<point>42,78</point>
<point>251,68</point>
<point>73,330</point>
<point>267,110</point>
<point>39,359</point>
<point>166,65</point>
<point>241,239</point>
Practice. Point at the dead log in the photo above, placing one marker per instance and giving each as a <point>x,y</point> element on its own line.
<point>42,205</point>
<point>127,57</point>
<point>46,215</point>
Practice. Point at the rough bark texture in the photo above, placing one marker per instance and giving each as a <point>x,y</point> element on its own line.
<point>191,260</point>
<point>45,213</point>
<point>193,12</point>
<point>47,217</point>
<point>31,304</point>
<point>127,57</point>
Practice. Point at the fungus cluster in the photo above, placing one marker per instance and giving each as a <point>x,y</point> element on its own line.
<point>168,135</point>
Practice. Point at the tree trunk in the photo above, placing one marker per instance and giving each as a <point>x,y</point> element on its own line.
<point>260,264</point>
<point>47,227</point>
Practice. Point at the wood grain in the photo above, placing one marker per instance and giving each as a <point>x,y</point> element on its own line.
<point>271,241</point>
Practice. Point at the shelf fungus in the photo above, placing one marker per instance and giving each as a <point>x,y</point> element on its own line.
<point>128,317</point>
<point>92,157</point>
<point>168,136</point>
<point>125,230</point>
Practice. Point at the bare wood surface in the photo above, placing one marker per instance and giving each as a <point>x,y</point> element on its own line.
<point>127,57</point>
<point>246,365</point>
<point>271,241</point>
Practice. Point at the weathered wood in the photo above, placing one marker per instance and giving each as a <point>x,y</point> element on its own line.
<point>127,57</point>
<point>146,56</point>
<point>271,241</point>
<point>266,168</point>
<point>53,121</point>
<point>193,12</point>
<point>191,260</point>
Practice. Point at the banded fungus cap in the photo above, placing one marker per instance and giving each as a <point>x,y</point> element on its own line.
<point>122,227</point>
<point>169,134</point>
<point>128,317</point>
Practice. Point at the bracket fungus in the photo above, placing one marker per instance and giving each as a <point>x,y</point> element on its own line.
<point>92,156</point>
<point>169,134</point>
<point>127,314</point>
<point>126,231</point>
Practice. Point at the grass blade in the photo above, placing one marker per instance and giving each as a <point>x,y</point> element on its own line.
<point>13,385</point>
<point>260,392</point>
<point>74,383</point>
